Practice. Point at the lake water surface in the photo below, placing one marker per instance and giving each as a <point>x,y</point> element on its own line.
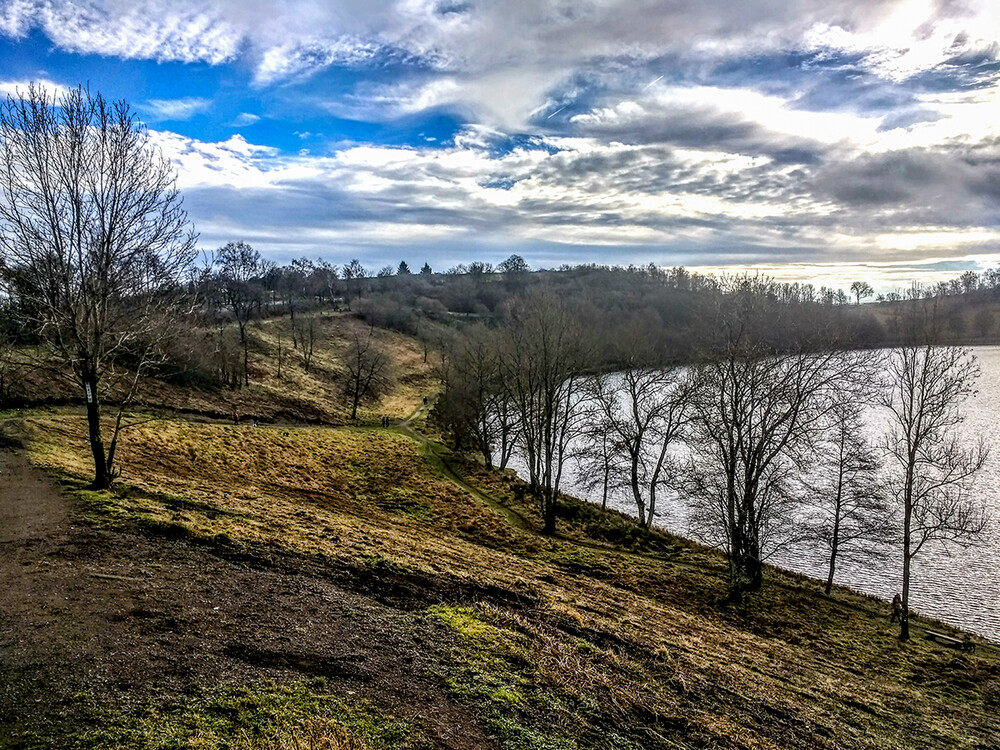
<point>956,585</point>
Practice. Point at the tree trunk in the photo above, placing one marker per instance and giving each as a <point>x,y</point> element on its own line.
<point>246,354</point>
<point>834,547</point>
<point>549,517</point>
<point>829,578</point>
<point>904,616</point>
<point>102,477</point>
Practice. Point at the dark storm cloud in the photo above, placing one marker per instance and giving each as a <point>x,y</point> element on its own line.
<point>913,180</point>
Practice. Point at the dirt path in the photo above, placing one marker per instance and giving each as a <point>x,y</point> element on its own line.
<point>122,616</point>
<point>31,510</point>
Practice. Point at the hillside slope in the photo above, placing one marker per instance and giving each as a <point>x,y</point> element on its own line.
<point>299,395</point>
<point>279,586</point>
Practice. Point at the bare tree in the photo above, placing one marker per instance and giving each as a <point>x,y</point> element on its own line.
<point>932,472</point>
<point>93,243</point>
<point>852,518</point>
<point>241,269</point>
<point>307,339</point>
<point>758,416</point>
<point>543,365</point>
<point>282,352</point>
<point>599,461</point>
<point>643,411</point>
<point>368,368</point>
<point>475,407</point>
<point>354,277</point>
<point>861,290</point>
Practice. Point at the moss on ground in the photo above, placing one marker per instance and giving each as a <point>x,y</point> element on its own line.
<point>264,716</point>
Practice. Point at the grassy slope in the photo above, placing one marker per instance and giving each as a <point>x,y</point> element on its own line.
<point>298,396</point>
<point>604,637</point>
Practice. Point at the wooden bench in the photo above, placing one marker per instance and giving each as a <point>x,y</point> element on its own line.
<point>948,640</point>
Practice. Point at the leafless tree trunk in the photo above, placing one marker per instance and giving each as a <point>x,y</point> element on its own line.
<point>758,415</point>
<point>94,242</point>
<point>932,474</point>
<point>643,412</point>
<point>241,269</point>
<point>598,461</point>
<point>475,406</point>
<point>306,328</point>
<point>281,355</point>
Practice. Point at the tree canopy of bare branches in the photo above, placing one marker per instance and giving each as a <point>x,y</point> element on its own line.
<point>93,240</point>
<point>369,372</point>
<point>851,518</point>
<point>758,416</point>
<point>238,278</point>
<point>932,474</point>
<point>636,416</point>
<point>545,356</point>
<point>475,406</point>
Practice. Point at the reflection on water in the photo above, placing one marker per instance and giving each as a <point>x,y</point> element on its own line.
<point>956,585</point>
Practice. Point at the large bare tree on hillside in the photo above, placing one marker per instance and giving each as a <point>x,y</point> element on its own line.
<point>241,270</point>
<point>851,518</point>
<point>369,370</point>
<point>932,472</point>
<point>475,407</point>
<point>93,241</point>
<point>758,416</point>
<point>545,358</point>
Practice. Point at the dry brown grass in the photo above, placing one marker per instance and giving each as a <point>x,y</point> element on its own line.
<point>629,635</point>
<point>318,733</point>
<point>298,396</point>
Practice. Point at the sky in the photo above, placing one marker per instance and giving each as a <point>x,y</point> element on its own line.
<point>814,140</point>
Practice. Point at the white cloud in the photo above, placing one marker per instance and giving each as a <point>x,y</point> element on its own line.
<point>502,58</point>
<point>153,30</point>
<point>174,109</point>
<point>683,204</point>
<point>13,88</point>
<point>244,119</point>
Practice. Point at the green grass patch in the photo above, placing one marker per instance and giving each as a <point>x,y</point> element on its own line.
<point>264,716</point>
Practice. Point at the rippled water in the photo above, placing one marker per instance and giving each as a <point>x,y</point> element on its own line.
<point>956,585</point>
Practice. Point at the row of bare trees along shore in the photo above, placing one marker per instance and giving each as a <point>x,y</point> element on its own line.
<point>766,444</point>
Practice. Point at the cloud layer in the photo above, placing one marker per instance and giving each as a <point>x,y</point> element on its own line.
<point>705,132</point>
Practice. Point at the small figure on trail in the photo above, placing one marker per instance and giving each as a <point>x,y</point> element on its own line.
<point>897,609</point>
<point>255,422</point>
<point>236,417</point>
<point>425,400</point>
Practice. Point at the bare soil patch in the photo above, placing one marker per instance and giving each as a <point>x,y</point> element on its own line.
<point>125,617</point>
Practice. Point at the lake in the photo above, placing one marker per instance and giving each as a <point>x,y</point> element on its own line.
<point>956,585</point>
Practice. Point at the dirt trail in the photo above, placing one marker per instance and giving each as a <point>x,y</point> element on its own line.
<point>122,616</point>
<point>31,510</point>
